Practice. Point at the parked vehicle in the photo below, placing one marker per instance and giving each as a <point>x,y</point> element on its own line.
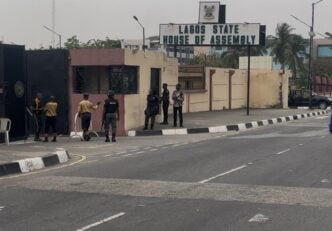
<point>301,98</point>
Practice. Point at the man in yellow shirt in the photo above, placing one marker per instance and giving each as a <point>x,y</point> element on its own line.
<point>85,108</point>
<point>50,115</point>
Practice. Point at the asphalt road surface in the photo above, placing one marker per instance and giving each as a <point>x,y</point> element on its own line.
<point>272,178</point>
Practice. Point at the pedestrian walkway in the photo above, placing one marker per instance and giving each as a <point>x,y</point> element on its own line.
<point>200,122</point>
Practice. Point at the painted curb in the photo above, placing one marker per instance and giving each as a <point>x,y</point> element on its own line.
<point>226,128</point>
<point>32,164</point>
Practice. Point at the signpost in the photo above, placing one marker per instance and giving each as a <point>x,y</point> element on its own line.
<point>213,31</point>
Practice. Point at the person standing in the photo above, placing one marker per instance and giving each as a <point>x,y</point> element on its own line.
<point>152,109</point>
<point>37,114</point>
<point>85,108</point>
<point>110,115</point>
<point>165,103</point>
<point>50,118</point>
<point>178,99</point>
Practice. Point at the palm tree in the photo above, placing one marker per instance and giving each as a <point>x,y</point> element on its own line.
<point>288,49</point>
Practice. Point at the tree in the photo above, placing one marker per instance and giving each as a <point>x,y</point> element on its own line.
<point>288,49</point>
<point>74,43</point>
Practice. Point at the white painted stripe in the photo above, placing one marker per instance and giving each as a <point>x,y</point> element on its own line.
<point>305,115</point>
<point>275,120</point>
<point>290,118</point>
<point>101,222</point>
<point>303,108</point>
<point>217,129</point>
<point>223,174</point>
<point>107,155</point>
<point>254,124</point>
<point>265,122</point>
<point>140,152</point>
<point>242,127</point>
<point>182,131</point>
<point>30,164</point>
<point>287,150</point>
<point>131,133</point>
<point>152,150</point>
<point>168,132</point>
<point>283,119</point>
<point>62,155</point>
<point>298,116</point>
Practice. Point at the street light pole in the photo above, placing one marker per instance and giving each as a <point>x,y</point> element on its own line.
<point>311,34</point>
<point>59,35</point>
<point>136,19</point>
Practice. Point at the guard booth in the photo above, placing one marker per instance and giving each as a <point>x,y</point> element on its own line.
<point>13,89</point>
<point>47,72</point>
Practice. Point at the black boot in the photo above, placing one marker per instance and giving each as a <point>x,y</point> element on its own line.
<point>54,139</point>
<point>107,138</point>
<point>113,138</point>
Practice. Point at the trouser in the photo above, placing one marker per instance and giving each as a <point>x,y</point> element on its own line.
<point>50,122</point>
<point>38,125</point>
<point>85,124</point>
<point>110,119</point>
<point>165,111</point>
<point>175,115</point>
<point>147,117</point>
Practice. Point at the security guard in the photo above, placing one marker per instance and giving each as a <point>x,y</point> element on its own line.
<point>50,118</point>
<point>37,113</point>
<point>165,103</point>
<point>110,115</point>
<point>85,108</point>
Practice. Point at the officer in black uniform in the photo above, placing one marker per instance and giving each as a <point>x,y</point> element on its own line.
<point>110,115</point>
<point>165,103</point>
<point>37,113</point>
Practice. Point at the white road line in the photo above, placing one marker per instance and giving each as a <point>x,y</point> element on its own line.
<point>101,222</point>
<point>108,155</point>
<point>223,174</point>
<point>287,150</point>
<point>2,207</point>
<point>300,144</point>
<point>139,152</point>
<point>152,150</point>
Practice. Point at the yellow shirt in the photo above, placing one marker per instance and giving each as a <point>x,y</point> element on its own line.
<point>86,106</point>
<point>50,108</point>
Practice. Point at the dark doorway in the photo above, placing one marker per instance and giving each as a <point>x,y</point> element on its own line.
<point>13,81</point>
<point>155,80</point>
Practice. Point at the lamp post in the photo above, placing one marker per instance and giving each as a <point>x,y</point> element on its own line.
<point>312,35</point>
<point>59,35</point>
<point>136,19</point>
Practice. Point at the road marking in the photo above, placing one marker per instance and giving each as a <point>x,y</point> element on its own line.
<point>89,161</point>
<point>223,174</point>
<point>152,150</point>
<point>139,152</point>
<point>325,181</point>
<point>128,155</point>
<point>1,208</point>
<point>101,222</point>
<point>108,155</point>
<point>119,153</point>
<point>287,150</point>
<point>259,218</point>
<point>300,144</point>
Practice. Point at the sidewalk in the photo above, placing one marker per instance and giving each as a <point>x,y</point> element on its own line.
<point>17,158</point>
<point>203,122</point>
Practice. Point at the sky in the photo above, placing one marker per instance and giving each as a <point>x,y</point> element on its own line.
<point>22,21</point>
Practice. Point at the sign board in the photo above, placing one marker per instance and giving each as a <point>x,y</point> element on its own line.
<point>210,34</point>
<point>208,12</point>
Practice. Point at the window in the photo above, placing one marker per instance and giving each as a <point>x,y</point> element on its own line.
<point>123,79</point>
<point>324,51</point>
<point>192,77</point>
<point>100,79</point>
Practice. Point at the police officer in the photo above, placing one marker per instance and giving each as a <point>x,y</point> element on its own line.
<point>37,113</point>
<point>50,118</point>
<point>152,109</point>
<point>110,115</point>
<point>85,108</point>
<point>165,103</point>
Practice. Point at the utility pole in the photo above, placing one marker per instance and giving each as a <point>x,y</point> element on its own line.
<point>53,23</point>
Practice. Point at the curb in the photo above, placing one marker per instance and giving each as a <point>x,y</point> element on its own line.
<point>226,128</point>
<point>31,164</point>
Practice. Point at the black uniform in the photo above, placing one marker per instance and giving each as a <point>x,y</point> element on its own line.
<point>111,107</point>
<point>37,111</point>
<point>165,104</point>
<point>151,110</point>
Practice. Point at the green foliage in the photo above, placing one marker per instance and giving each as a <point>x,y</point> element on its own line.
<point>74,43</point>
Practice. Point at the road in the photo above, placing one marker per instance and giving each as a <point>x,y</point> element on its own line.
<point>272,178</point>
